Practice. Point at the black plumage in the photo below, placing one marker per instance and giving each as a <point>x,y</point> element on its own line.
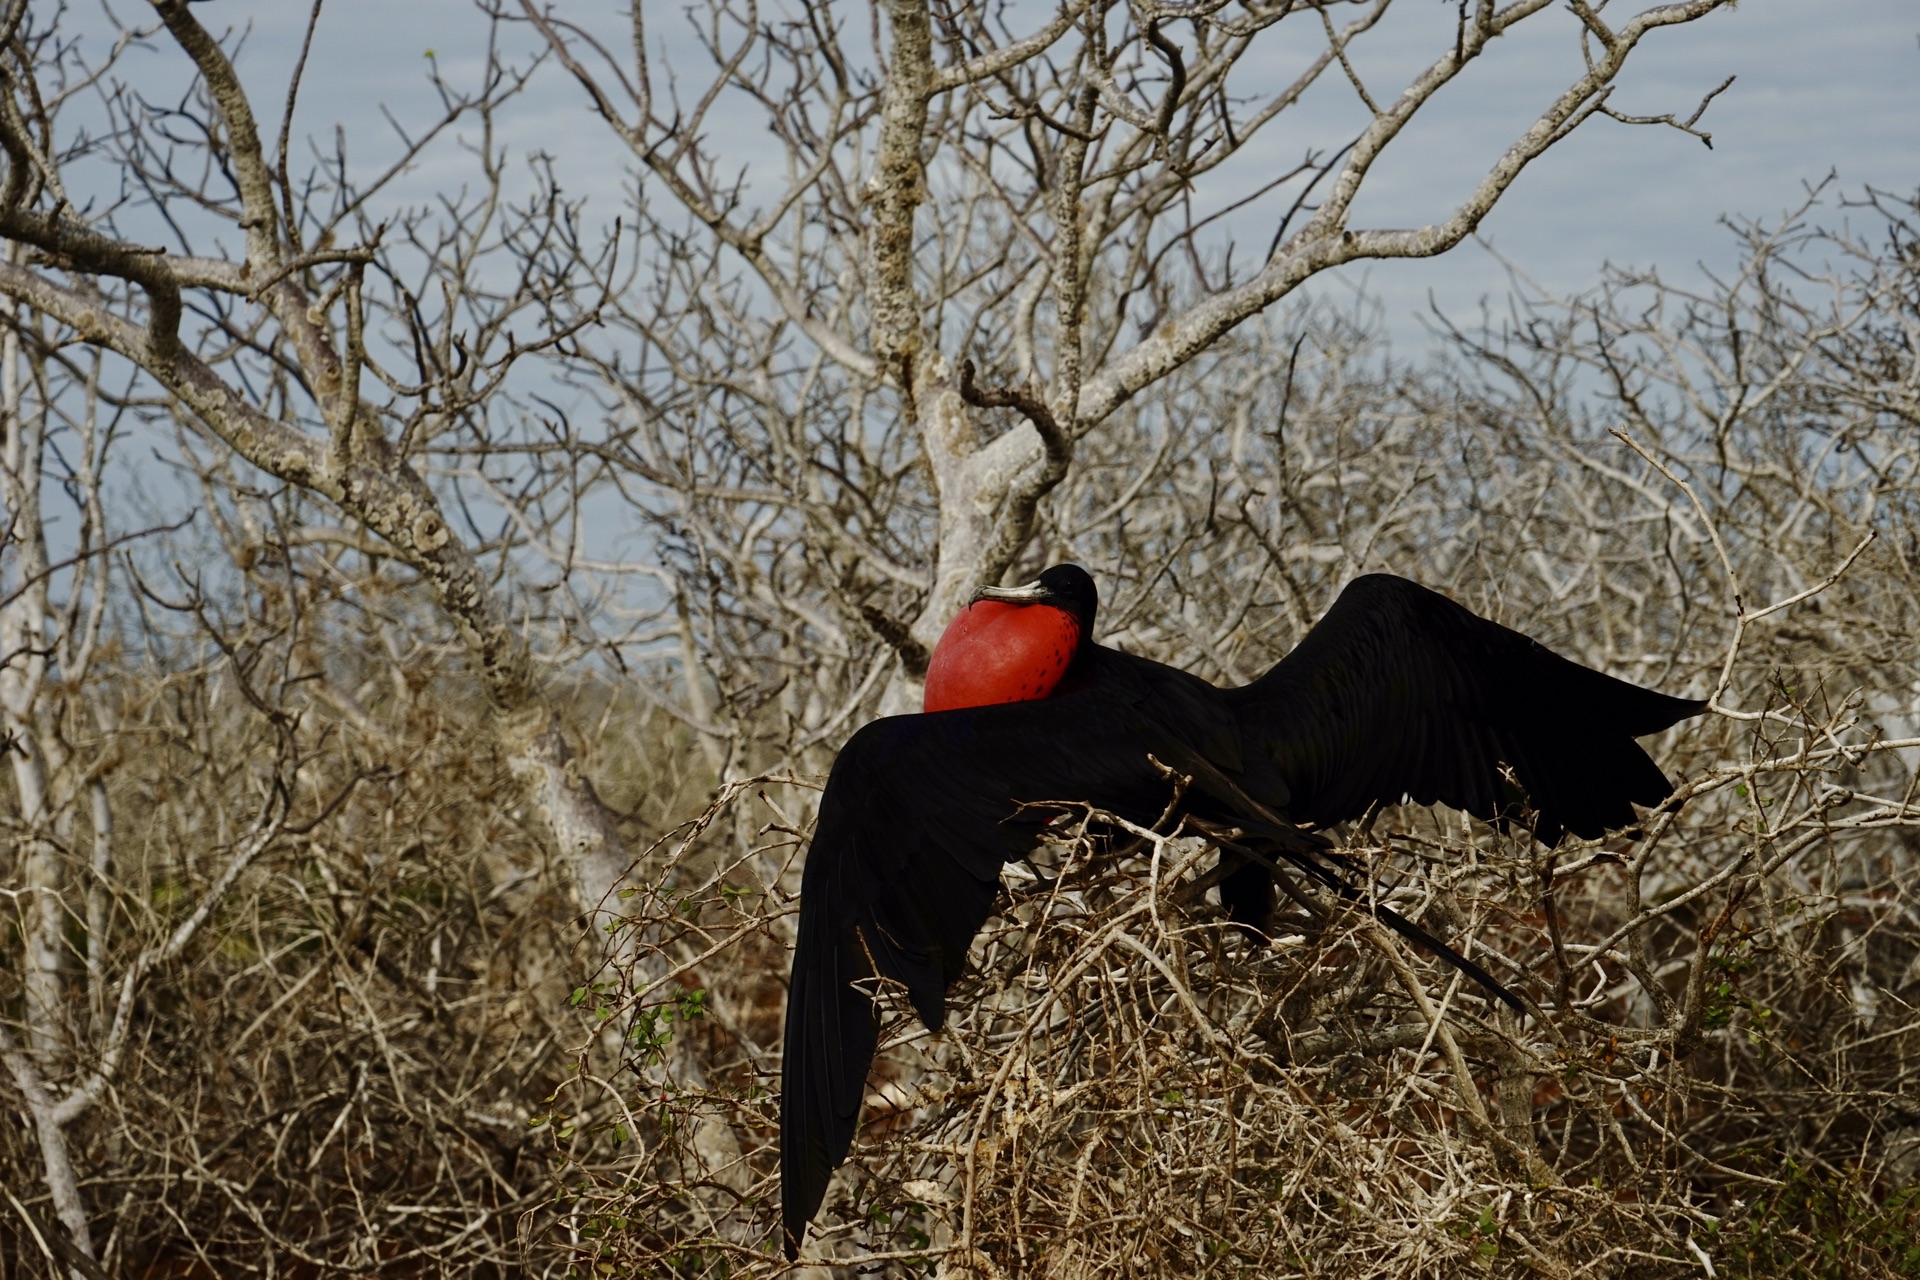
<point>1397,691</point>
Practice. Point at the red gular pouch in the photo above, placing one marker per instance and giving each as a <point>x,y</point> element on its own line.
<point>996,651</point>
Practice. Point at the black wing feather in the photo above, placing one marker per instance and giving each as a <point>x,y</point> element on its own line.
<point>1400,691</point>
<point>918,816</point>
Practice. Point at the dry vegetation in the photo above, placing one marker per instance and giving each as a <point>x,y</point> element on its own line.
<point>333,1072</point>
<point>295,832</point>
<point>1720,1067</point>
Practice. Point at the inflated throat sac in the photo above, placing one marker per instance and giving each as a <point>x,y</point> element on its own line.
<point>996,651</point>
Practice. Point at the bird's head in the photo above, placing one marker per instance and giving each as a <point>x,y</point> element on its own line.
<point>1013,644</point>
<point>1065,586</point>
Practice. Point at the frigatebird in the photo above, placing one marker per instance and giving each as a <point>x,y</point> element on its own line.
<point>1398,692</point>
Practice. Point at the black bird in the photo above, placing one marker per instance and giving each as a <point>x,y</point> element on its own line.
<point>1397,692</point>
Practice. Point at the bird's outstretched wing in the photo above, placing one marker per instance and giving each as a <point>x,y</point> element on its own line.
<point>919,814</point>
<point>1398,691</point>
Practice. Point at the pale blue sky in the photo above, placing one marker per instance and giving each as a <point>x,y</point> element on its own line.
<point>1822,85</point>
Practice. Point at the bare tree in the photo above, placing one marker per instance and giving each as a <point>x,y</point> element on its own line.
<point>42,637</point>
<point>294,302</point>
<point>259,356</point>
<point>1082,203</point>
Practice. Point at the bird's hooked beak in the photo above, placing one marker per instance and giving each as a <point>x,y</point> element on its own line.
<point>1031,593</point>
